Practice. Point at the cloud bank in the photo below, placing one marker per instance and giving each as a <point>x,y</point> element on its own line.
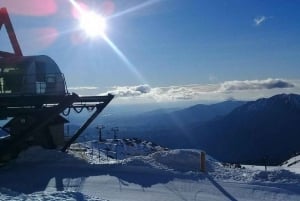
<point>130,91</point>
<point>83,88</point>
<point>200,91</point>
<point>255,85</point>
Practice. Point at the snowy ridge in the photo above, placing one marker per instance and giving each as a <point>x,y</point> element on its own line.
<point>113,150</point>
<point>292,100</point>
<point>293,162</point>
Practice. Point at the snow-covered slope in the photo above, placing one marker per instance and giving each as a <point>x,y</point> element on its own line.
<point>6,194</point>
<point>293,164</point>
<point>112,150</point>
<point>153,173</point>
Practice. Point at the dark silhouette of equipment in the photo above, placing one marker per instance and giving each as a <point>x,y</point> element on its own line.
<point>100,128</point>
<point>33,94</point>
<point>115,130</point>
<point>5,20</point>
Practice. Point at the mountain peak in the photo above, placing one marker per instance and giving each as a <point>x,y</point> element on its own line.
<point>284,100</point>
<point>288,98</point>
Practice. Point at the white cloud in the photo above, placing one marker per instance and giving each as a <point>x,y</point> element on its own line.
<point>83,88</point>
<point>230,86</point>
<point>184,92</point>
<point>130,91</point>
<point>246,89</point>
<point>260,19</point>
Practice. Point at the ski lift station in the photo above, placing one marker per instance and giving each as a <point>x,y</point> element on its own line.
<point>33,98</point>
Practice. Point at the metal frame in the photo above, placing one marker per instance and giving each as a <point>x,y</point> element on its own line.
<point>46,113</point>
<point>5,20</point>
<point>105,100</point>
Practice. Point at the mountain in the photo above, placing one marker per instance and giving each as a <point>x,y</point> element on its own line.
<point>168,118</point>
<point>262,131</point>
<point>203,113</point>
<point>162,125</point>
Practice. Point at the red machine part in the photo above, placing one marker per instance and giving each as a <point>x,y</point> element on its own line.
<point>5,20</point>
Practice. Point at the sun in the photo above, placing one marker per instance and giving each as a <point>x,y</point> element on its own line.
<point>93,24</point>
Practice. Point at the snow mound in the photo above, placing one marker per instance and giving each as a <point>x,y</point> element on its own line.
<point>183,160</point>
<point>277,176</point>
<point>7,194</point>
<point>179,160</point>
<point>113,150</point>
<point>293,162</point>
<point>187,161</point>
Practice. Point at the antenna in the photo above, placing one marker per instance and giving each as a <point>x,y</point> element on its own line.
<point>5,20</point>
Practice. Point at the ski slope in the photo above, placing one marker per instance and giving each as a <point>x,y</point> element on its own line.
<point>143,172</point>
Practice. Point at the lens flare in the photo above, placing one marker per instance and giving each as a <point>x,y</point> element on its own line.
<point>93,24</point>
<point>31,7</point>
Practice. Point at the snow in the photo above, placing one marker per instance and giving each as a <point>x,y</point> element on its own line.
<point>142,171</point>
<point>54,196</point>
<point>293,164</point>
<point>113,150</point>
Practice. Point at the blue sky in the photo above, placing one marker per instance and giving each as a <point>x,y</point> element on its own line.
<point>176,50</point>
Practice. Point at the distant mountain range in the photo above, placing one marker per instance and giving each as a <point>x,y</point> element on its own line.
<point>264,130</point>
<point>169,118</point>
<point>255,132</point>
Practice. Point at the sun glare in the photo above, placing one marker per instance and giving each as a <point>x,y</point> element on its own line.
<point>93,24</point>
